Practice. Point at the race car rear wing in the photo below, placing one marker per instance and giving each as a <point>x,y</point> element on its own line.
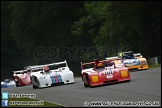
<point>138,55</point>
<point>19,72</point>
<point>100,61</point>
<point>112,58</point>
<point>51,64</point>
<point>127,52</point>
<point>63,62</point>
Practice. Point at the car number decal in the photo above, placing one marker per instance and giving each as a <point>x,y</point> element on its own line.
<point>53,79</point>
<point>108,72</point>
<point>56,79</point>
<point>109,76</point>
<point>59,78</point>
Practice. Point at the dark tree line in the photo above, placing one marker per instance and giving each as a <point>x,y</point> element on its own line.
<point>40,32</point>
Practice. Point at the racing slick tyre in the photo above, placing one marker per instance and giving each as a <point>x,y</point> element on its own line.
<point>85,85</point>
<point>34,87</point>
<point>86,81</point>
<point>39,85</point>
<point>17,83</point>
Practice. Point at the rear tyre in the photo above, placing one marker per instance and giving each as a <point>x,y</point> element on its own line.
<point>86,81</point>
<point>39,85</point>
<point>85,85</point>
<point>34,87</point>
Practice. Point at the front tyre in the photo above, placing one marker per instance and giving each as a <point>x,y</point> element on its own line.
<point>39,85</point>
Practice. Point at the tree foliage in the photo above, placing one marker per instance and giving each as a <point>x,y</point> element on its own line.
<point>122,26</point>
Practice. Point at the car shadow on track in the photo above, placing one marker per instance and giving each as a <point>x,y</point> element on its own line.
<point>136,70</point>
<point>108,84</point>
<point>23,85</point>
<point>55,85</point>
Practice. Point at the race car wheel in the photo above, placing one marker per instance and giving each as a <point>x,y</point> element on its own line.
<point>34,87</point>
<point>86,81</point>
<point>38,85</point>
<point>85,85</point>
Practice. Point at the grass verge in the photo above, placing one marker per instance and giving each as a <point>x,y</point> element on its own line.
<point>153,66</point>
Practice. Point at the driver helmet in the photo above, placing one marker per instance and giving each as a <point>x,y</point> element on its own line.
<point>120,55</point>
<point>28,69</point>
<point>100,65</point>
<point>46,68</point>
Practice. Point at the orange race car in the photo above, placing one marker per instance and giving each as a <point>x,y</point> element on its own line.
<point>132,61</point>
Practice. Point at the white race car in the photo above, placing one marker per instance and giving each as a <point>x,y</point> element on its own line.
<point>58,73</point>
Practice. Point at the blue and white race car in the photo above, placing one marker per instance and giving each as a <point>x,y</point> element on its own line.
<point>133,61</point>
<point>8,83</point>
<point>51,74</point>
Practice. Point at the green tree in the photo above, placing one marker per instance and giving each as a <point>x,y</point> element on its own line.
<point>44,24</point>
<point>9,52</point>
<point>121,26</point>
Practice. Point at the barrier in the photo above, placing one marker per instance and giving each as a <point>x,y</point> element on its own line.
<point>154,60</point>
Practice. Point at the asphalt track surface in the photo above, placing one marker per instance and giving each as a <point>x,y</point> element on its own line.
<point>144,86</point>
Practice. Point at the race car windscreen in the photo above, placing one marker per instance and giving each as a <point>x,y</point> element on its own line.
<point>54,67</point>
<point>128,56</point>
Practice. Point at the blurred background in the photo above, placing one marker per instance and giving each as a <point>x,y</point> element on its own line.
<point>41,32</point>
